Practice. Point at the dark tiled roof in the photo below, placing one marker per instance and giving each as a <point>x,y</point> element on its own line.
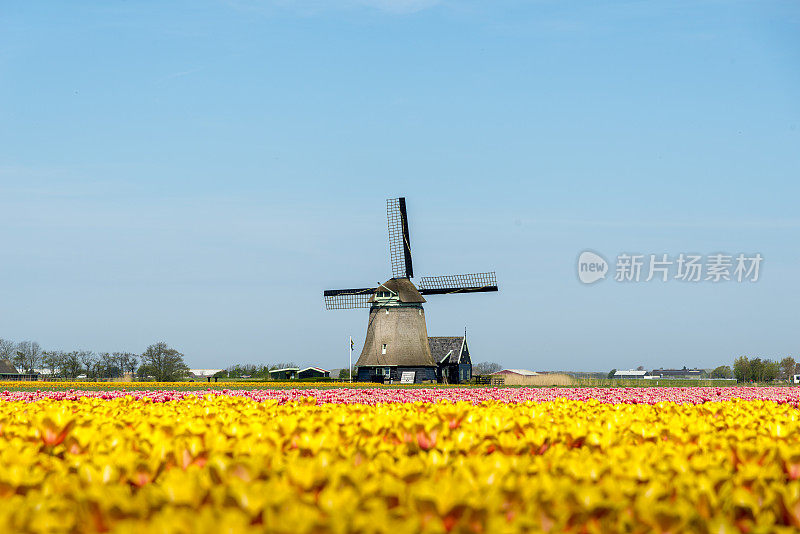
<point>446,346</point>
<point>7,368</point>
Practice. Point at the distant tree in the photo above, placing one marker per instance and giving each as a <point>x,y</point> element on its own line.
<point>144,372</point>
<point>640,368</point>
<point>772,370</point>
<point>344,373</point>
<point>28,356</point>
<point>126,361</point>
<point>49,361</point>
<point>611,373</point>
<point>89,361</point>
<point>71,365</point>
<point>261,371</point>
<point>741,369</point>
<point>486,368</point>
<point>757,369</point>
<point>107,366</point>
<point>53,361</point>
<point>8,349</point>
<point>61,363</point>
<point>165,363</point>
<point>787,368</point>
<point>131,362</point>
<point>723,371</point>
<point>242,370</point>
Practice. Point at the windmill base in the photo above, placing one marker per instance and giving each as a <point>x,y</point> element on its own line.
<point>394,374</point>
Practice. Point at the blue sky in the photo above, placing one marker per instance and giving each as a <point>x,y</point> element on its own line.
<point>198,172</point>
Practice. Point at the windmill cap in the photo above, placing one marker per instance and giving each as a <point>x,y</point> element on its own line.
<point>405,290</point>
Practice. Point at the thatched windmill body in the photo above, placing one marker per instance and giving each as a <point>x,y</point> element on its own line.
<point>396,345</point>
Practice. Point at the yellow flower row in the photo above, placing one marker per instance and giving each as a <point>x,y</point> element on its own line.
<point>231,464</point>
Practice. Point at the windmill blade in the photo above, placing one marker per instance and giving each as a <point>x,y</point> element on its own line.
<point>399,238</point>
<point>458,283</point>
<point>348,299</point>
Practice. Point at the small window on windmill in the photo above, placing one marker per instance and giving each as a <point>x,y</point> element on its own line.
<point>383,349</point>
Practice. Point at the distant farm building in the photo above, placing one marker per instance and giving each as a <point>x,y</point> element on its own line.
<point>7,368</point>
<point>517,372</point>
<point>203,374</point>
<point>9,372</point>
<point>630,374</point>
<point>452,356</point>
<point>314,372</point>
<point>516,377</point>
<point>677,373</point>
<point>287,373</point>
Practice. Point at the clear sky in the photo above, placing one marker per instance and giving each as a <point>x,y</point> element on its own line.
<point>199,172</point>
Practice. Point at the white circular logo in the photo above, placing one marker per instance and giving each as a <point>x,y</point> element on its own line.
<point>591,267</point>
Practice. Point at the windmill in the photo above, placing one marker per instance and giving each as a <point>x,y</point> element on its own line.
<point>396,345</point>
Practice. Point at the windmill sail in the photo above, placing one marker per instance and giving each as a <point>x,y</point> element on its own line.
<point>348,299</point>
<point>399,238</point>
<point>458,283</point>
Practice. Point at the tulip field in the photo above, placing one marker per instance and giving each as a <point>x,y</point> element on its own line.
<point>374,460</point>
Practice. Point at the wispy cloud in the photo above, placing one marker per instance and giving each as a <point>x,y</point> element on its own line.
<point>180,74</point>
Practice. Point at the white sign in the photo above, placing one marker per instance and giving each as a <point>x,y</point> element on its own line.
<point>407,377</point>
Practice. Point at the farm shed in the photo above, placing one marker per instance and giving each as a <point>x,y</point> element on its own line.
<point>516,377</point>
<point>524,377</point>
<point>287,373</point>
<point>314,372</point>
<point>630,374</point>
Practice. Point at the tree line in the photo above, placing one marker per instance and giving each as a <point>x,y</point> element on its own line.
<point>764,370</point>
<point>158,362</point>
<point>486,368</point>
